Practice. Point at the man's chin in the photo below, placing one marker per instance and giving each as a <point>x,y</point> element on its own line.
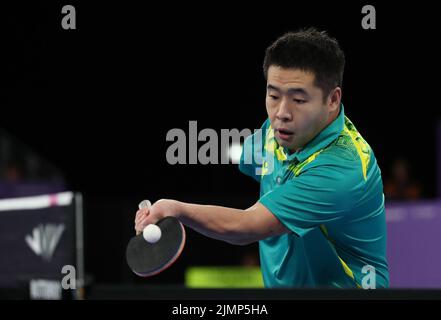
<point>289,145</point>
<point>285,143</point>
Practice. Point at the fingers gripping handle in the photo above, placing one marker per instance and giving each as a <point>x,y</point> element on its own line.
<point>151,233</point>
<point>144,204</point>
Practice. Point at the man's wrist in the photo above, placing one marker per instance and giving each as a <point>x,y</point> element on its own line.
<point>178,209</point>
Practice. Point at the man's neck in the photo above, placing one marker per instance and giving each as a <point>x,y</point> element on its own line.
<point>331,118</point>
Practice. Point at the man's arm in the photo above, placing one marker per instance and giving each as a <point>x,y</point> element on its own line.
<point>235,226</point>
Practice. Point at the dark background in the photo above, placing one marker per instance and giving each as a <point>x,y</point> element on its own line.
<point>98,101</point>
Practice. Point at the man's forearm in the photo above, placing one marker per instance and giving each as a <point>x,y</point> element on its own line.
<point>221,223</point>
<point>235,226</point>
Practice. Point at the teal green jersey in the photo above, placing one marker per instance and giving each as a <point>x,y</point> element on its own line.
<point>330,196</point>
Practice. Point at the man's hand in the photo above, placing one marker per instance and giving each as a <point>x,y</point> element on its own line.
<point>160,209</point>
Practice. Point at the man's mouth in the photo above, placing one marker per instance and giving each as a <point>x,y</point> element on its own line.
<point>284,134</point>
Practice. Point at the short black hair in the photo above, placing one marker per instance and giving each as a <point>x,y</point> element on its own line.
<point>312,51</point>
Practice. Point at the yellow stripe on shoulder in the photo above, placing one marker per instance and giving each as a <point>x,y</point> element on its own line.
<point>362,147</point>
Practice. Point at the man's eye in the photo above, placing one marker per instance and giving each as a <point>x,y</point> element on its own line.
<point>299,101</point>
<point>273,97</point>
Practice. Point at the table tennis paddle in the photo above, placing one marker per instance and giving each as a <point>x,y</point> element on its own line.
<point>148,259</point>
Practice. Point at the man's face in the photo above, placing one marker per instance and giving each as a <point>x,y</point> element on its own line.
<point>295,107</point>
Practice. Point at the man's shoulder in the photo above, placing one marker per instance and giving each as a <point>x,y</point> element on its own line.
<point>342,157</point>
<point>341,149</point>
<point>348,156</point>
<point>349,146</point>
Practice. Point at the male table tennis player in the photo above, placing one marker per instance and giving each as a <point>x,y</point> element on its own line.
<point>320,219</point>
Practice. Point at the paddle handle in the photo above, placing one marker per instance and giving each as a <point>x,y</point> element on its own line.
<point>144,204</point>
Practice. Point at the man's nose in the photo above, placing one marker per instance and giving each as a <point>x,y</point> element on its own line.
<point>283,112</point>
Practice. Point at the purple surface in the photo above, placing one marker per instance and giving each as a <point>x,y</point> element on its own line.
<point>439,158</point>
<point>414,244</point>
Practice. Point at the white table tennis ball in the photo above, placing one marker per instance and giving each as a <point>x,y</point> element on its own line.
<point>152,233</point>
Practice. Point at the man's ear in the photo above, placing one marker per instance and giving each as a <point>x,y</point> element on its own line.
<point>334,99</point>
